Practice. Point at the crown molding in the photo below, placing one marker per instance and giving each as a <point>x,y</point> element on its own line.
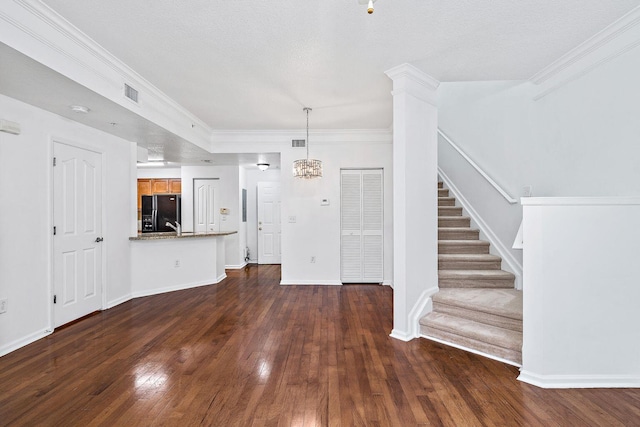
<point>321,136</point>
<point>410,80</point>
<point>616,39</point>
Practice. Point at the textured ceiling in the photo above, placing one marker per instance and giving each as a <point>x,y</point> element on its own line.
<point>241,64</point>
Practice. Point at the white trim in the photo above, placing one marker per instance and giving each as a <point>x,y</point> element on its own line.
<point>310,282</point>
<point>220,278</point>
<point>119,301</point>
<point>514,265</point>
<point>235,266</point>
<point>486,176</point>
<point>21,342</point>
<point>156,291</point>
<point>580,201</point>
<point>319,136</point>
<point>422,307</point>
<point>610,43</point>
<point>414,74</point>
<point>471,350</point>
<point>402,336</point>
<point>388,283</point>
<point>589,46</point>
<point>579,381</point>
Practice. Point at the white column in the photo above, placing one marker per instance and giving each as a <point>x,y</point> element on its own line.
<point>415,210</point>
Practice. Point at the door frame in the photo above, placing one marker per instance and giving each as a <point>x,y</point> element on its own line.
<point>53,140</point>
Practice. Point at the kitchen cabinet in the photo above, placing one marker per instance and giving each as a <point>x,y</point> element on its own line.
<point>149,187</point>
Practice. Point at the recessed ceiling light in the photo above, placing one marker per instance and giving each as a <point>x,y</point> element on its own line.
<point>79,109</point>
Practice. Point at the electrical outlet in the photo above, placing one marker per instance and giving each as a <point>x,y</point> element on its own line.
<point>313,260</point>
<point>292,219</point>
<point>177,264</point>
<point>3,305</point>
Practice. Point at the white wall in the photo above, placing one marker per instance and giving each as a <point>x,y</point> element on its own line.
<point>26,215</point>
<point>254,176</point>
<point>229,197</point>
<point>316,231</point>
<point>151,172</point>
<point>580,139</point>
<point>582,287</point>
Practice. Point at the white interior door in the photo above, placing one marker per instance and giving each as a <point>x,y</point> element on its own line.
<point>77,218</point>
<point>205,205</point>
<point>269,227</point>
<point>361,223</point>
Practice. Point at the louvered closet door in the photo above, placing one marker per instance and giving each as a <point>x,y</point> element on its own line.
<point>361,226</point>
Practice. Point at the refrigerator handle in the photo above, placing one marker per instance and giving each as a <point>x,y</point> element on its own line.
<point>154,216</point>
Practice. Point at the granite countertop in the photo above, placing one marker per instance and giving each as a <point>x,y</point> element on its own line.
<point>184,235</point>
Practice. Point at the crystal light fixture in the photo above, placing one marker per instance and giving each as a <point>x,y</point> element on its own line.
<point>307,168</point>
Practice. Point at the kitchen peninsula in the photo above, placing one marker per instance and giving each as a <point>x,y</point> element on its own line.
<point>164,262</point>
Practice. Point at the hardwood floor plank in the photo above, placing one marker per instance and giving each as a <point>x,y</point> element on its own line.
<point>248,351</point>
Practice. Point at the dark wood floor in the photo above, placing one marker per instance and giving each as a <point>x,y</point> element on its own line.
<point>250,352</point>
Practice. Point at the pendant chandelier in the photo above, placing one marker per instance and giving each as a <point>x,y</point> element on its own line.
<point>307,168</point>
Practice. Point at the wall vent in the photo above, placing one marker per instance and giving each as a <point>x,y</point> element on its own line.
<point>298,143</point>
<point>130,93</point>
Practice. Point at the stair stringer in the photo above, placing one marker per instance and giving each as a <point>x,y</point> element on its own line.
<point>512,264</point>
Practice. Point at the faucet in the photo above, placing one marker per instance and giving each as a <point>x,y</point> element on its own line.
<point>177,227</point>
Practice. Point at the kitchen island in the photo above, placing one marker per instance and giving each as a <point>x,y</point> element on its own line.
<point>165,262</point>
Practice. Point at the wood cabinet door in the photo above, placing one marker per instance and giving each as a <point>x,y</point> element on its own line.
<point>160,186</point>
<point>175,186</point>
<point>144,189</point>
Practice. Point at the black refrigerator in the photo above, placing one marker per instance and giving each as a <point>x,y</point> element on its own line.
<point>159,209</point>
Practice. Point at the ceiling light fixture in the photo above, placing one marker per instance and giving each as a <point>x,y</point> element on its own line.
<point>263,166</point>
<point>79,109</point>
<point>307,168</point>
<point>369,4</point>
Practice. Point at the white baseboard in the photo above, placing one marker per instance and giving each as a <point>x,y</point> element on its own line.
<point>311,282</point>
<point>513,265</point>
<point>236,267</point>
<point>119,301</point>
<point>471,350</point>
<point>423,306</point>
<point>401,335</point>
<point>580,381</point>
<point>220,278</point>
<point>388,283</point>
<point>166,289</point>
<point>19,343</point>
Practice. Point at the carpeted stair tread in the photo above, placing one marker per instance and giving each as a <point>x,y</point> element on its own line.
<point>500,302</point>
<point>440,184</point>
<point>475,279</point>
<point>443,192</point>
<point>448,337</point>
<point>481,332</point>
<point>463,247</point>
<point>469,262</point>
<point>446,201</point>
<point>458,233</point>
<point>450,211</point>
<point>454,221</point>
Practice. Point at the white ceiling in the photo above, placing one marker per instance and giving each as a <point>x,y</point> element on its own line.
<point>248,64</point>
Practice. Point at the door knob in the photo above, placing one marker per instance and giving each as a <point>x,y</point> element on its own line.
<point>99,239</point>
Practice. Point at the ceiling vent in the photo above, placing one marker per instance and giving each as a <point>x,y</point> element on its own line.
<point>130,93</point>
<point>298,143</point>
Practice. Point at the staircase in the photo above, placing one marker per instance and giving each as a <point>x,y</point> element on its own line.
<point>477,307</point>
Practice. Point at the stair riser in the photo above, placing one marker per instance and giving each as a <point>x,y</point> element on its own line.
<point>444,234</point>
<point>449,211</point>
<point>454,222</point>
<point>476,283</point>
<point>440,184</point>
<point>446,201</point>
<point>503,353</point>
<point>443,192</point>
<point>463,249</point>
<point>486,318</point>
<point>469,265</point>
